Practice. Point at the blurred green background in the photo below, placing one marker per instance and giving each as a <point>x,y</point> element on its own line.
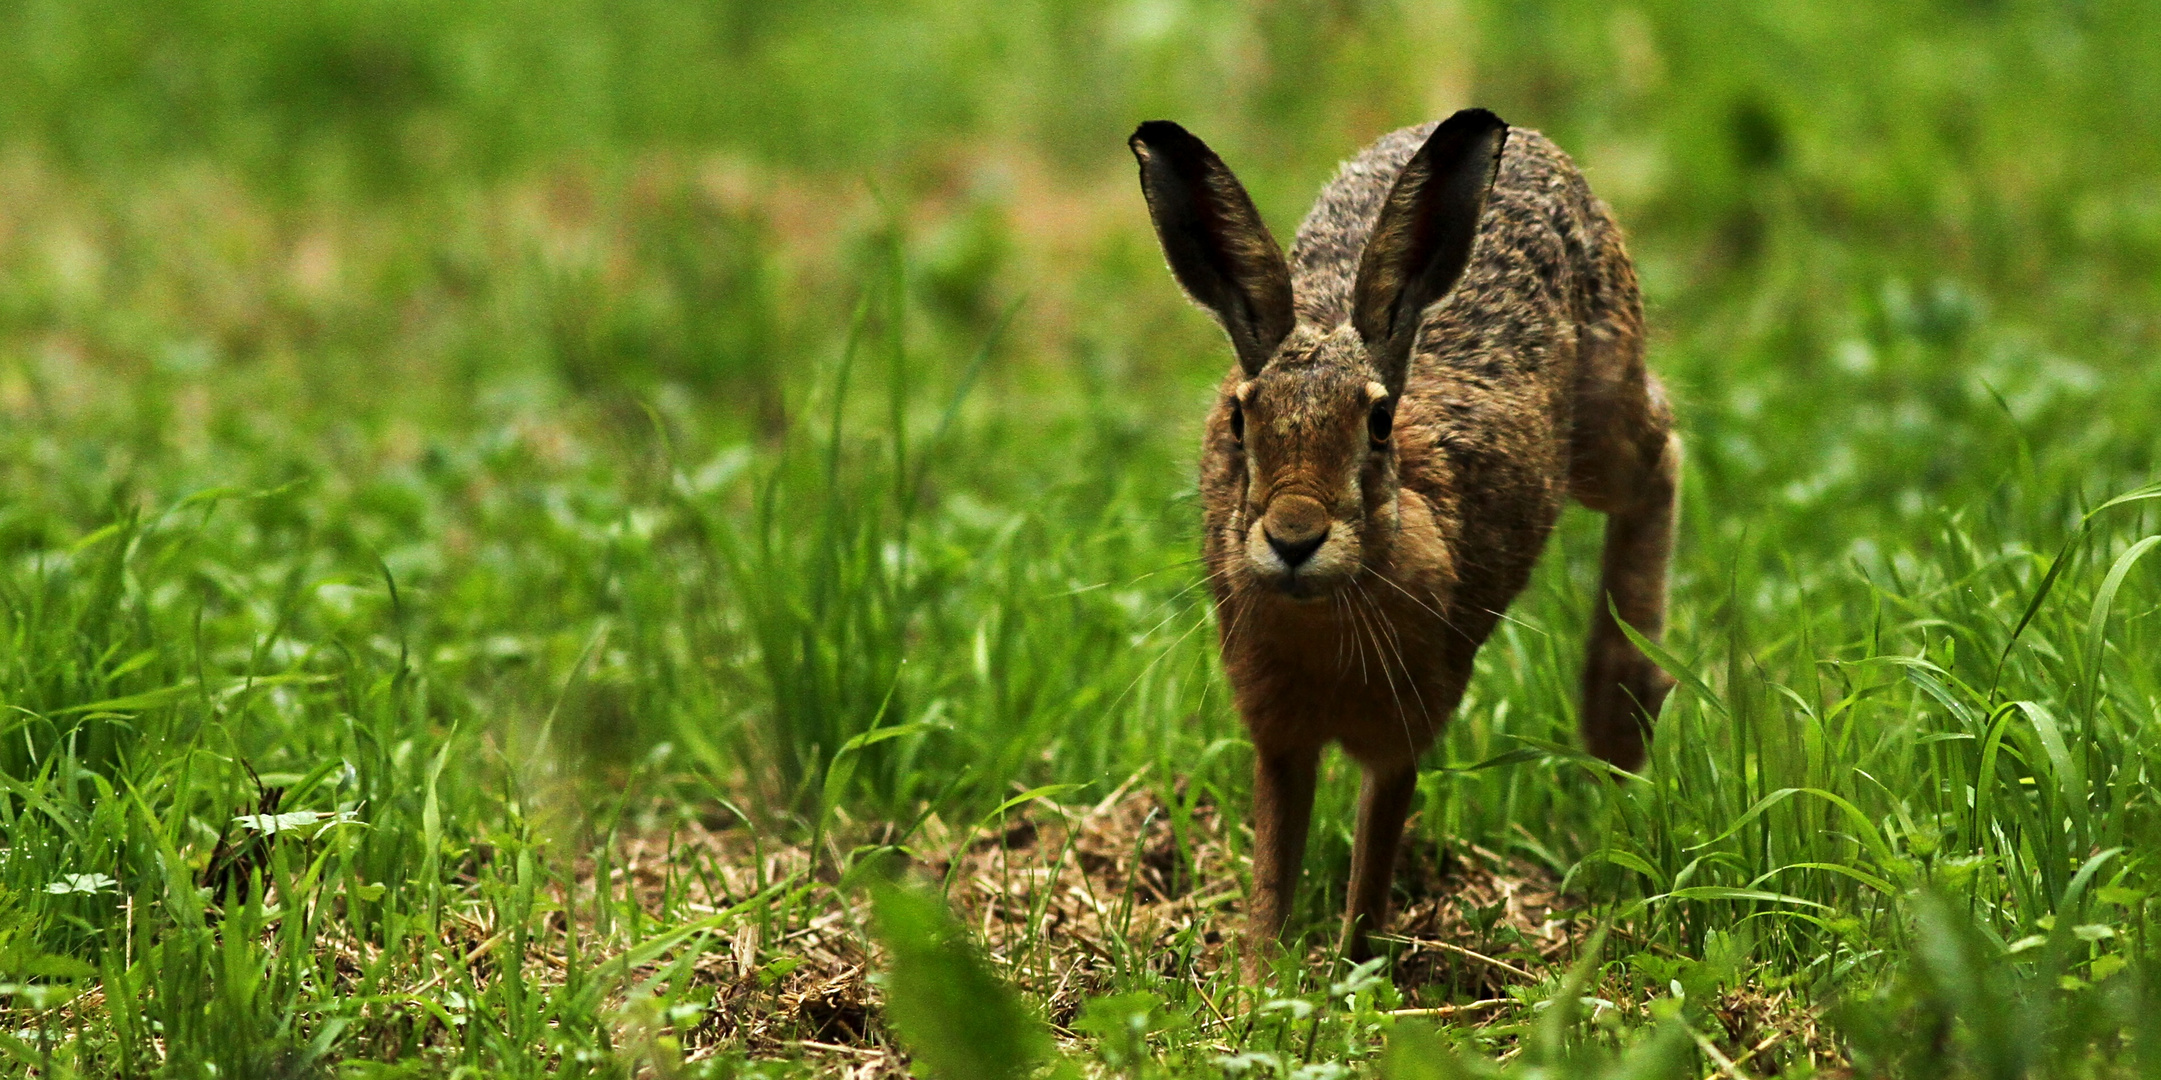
<point>672,389</point>
<point>507,296</point>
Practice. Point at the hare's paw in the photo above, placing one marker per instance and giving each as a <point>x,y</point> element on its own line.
<point>1622,692</point>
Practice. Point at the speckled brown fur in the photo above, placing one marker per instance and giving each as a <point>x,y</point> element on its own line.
<point>1523,384</point>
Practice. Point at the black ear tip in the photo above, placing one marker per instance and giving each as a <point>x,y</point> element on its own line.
<point>1163,134</point>
<point>1473,121</point>
<point>1467,132</point>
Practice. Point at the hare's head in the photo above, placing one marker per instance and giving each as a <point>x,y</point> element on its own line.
<point>1310,417</point>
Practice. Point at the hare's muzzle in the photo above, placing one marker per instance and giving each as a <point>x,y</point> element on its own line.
<point>1290,547</point>
<point>1295,526</point>
<point>1295,552</point>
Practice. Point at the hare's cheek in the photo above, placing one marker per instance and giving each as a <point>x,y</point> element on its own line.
<point>1385,517</point>
<point>1377,480</point>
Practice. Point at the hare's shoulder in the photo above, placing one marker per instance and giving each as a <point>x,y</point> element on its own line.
<point>1538,189</point>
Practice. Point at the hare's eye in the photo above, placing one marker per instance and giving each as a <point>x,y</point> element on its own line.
<point>1238,421</point>
<point>1381,421</point>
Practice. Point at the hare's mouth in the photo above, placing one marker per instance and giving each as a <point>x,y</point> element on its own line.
<point>1299,587</point>
<point>1314,574</point>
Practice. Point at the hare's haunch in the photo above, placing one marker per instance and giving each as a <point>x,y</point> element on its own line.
<point>1454,345</point>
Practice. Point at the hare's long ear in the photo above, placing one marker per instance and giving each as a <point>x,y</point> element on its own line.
<point>1215,240</point>
<point>1422,240</point>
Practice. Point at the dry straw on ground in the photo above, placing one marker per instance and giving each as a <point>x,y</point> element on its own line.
<point>1059,897</point>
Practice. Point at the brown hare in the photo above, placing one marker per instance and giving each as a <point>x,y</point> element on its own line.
<point>1454,344</point>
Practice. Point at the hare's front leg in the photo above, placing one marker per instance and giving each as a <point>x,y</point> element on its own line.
<point>1384,801</point>
<point>1622,689</point>
<point>1282,807</point>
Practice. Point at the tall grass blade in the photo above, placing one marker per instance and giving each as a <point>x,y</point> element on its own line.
<point>958,1019</point>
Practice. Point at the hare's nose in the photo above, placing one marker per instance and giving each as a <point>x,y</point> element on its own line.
<point>1294,553</point>
<point>1295,527</point>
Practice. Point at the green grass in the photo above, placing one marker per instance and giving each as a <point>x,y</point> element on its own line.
<point>518,432</point>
